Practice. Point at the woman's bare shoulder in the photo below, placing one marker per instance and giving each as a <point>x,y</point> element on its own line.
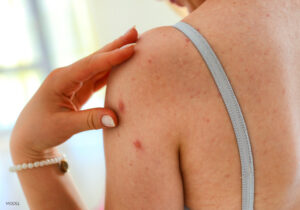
<point>142,152</point>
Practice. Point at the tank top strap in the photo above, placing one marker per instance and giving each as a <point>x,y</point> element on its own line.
<point>233,109</point>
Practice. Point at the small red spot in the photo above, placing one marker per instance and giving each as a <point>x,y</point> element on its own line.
<point>258,100</point>
<point>207,120</point>
<point>149,60</point>
<point>187,40</point>
<point>121,106</point>
<point>157,77</point>
<point>268,15</point>
<point>227,175</point>
<point>137,144</point>
<point>265,152</point>
<point>133,78</point>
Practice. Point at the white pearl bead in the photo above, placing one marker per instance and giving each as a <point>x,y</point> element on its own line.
<point>24,166</point>
<point>19,167</point>
<point>44,162</point>
<point>41,163</point>
<point>36,164</point>
<point>30,165</point>
<point>47,162</point>
<point>52,160</point>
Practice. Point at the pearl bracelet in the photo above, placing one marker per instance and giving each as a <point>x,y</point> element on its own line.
<point>63,164</point>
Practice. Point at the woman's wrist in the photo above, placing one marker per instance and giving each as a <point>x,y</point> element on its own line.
<point>21,154</point>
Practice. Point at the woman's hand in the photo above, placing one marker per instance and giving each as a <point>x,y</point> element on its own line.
<point>53,114</point>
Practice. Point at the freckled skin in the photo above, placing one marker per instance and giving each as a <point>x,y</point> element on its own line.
<point>121,106</point>
<point>137,144</point>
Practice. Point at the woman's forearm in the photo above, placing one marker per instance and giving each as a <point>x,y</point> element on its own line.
<point>54,114</point>
<point>47,187</point>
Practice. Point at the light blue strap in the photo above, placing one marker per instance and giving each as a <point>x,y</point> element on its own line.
<point>233,110</point>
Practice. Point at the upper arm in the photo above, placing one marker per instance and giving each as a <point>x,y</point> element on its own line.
<point>142,160</point>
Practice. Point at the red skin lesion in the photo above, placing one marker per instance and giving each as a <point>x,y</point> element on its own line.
<point>137,144</point>
<point>187,40</point>
<point>121,106</point>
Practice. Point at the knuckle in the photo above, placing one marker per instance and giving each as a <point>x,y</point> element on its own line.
<point>54,73</point>
<point>89,62</point>
<point>92,125</point>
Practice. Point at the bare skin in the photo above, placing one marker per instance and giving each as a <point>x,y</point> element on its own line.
<point>53,115</point>
<point>187,154</point>
<point>258,47</point>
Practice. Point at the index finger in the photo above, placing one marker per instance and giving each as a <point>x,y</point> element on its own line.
<point>130,36</point>
<point>82,70</point>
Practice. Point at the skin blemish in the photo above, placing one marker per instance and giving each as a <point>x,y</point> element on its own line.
<point>227,176</point>
<point>157,77</point>
<point>133,78</point>
<point>149,60</point>
<point>187,40</point>
<point>121,106</point>
<point>138,144</point>
<point>198,93</point>
<point>206,119</point>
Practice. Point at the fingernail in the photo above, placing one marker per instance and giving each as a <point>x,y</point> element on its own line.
<point>128,45</point>
<point>129,30</point>
<point>107,121</point>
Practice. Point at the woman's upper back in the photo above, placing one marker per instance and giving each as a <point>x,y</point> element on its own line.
<point>259,53</point>
<point>175,131</point>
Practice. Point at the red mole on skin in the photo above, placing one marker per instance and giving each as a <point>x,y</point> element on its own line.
<point>121,106</point>
<point>137,144</point>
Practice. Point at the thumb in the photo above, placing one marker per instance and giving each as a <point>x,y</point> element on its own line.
<point>91,119</point>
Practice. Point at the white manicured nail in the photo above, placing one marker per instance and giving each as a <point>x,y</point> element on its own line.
<point>108,121</point>
<point>128,45</point>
